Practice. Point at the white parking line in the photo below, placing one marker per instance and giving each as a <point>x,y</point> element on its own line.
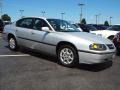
<point>14,55</point>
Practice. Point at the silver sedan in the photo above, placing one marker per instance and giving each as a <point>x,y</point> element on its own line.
<point>58,37</point>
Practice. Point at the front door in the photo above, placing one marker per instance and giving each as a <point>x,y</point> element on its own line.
<point>37,35</point>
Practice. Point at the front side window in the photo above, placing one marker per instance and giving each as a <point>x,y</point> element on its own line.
<point>62,26</point>
<point>39,23</point>
<point>25,23</point>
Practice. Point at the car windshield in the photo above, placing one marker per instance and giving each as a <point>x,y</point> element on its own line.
<point>115,28</point>
<point>62,26</point>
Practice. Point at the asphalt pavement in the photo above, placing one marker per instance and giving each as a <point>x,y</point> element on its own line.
<point>27,70</point>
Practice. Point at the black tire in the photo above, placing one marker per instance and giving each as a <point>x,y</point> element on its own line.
<point>118,51</point>
<point>73,56</point>
<point>12,46</point>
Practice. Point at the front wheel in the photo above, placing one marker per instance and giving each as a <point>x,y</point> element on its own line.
<point>12,44</point>
<point>67,56</point>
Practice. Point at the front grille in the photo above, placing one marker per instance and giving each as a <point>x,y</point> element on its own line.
<point>110,46</point>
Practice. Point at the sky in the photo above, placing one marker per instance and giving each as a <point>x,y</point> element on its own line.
<point>54,8</point>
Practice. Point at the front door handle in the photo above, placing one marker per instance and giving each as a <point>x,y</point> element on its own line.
<point>32,33</point>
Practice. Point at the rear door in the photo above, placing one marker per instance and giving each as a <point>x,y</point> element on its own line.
<point>23,31</point>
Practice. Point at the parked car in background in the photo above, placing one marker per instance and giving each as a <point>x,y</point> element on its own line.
<point>100,26</point>
<point>60,38</point>
<point>1,26</point>
<point>116,41</point>
<point>109,32</point>
<point>87,27</point>
<point>7,22</point>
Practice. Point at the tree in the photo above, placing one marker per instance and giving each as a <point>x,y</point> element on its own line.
<point>106,23</point>
<point>5,17</point>
<point>83,21</point>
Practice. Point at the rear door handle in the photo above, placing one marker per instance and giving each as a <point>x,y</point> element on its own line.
<point>16,30</point>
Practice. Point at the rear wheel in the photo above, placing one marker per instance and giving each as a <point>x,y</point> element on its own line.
<point>67,56</point>
<point>12,44</point>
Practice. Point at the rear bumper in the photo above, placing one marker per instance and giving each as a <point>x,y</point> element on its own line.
<point>94,58</point>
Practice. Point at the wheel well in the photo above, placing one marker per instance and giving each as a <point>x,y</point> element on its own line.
<point>111,37</point>
<point>10,35</point>
<point>64,43</point>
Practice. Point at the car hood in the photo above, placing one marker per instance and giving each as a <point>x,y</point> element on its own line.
<point>87,37</point>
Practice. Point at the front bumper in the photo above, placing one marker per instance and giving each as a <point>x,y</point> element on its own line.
<point>94,58</point>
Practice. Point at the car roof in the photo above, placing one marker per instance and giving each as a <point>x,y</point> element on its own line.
<point>38,17</point>
<point>35,17</point>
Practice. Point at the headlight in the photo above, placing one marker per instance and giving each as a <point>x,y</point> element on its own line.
<point>98,47</point>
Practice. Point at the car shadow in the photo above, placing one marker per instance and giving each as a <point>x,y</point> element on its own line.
<point>35,53</point>
<point>95,67</point>
<point>39,54</point>
<point>88,67</point>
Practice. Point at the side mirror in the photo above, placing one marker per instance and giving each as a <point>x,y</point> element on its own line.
<point>46,29</point>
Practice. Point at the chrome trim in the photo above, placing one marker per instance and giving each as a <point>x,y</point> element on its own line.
<point>95,52</point>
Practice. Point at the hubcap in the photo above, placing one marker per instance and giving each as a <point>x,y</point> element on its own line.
<point>66,56</point>
<point>12,43</point>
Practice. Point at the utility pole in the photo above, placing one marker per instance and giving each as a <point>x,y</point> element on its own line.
<point>96,16</point>
<point>81,10</point>
<point>43,13</point>
<point>21,13</point>
<point>99,18</point>
<point>1,7</point>
<point>110,20</point>
<point>62,14</point>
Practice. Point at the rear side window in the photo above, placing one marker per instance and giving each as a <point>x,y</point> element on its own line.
<point>25,23</point>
